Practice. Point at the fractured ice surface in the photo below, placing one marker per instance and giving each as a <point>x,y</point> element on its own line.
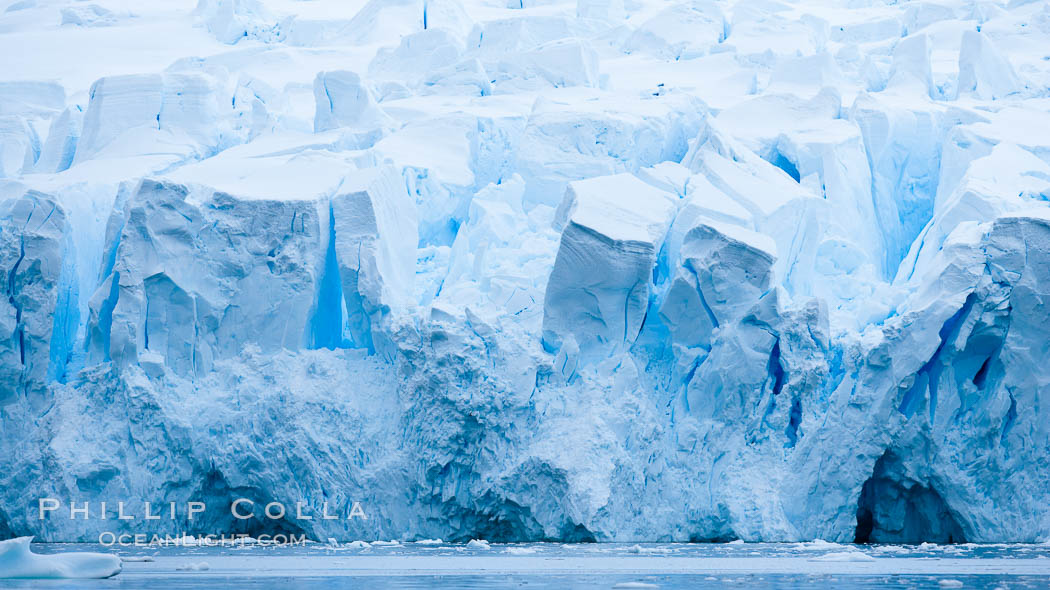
<point>572,269</point>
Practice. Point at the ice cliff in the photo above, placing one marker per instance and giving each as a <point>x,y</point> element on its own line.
<point>613,270</point>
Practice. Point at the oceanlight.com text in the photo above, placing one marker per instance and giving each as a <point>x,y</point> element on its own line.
<point>109,539</point>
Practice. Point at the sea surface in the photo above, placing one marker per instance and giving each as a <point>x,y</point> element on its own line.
<point>543,566</point>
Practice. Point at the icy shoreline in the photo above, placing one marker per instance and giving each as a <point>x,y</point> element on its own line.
<point>604,559</point>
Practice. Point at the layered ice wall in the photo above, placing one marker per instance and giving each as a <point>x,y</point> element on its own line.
<point>598,270</point>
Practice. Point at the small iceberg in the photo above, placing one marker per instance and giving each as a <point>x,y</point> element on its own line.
<point>193,567</point>
<point>17,561</point>
<point>844,556</point>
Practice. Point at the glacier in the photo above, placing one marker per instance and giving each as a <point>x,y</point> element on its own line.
<point>573,270</point>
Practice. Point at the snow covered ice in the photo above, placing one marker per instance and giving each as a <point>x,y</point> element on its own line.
<point>614,270</point>
<point>18,561</point>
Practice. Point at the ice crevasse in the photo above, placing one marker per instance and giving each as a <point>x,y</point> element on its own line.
<point>556,270</point>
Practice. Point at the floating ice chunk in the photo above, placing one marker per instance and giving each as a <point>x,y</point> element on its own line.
<point>647,550</point>
<point>949,583</point>
<point>844,556</point>
<point>18,561</point>
<point>478,544</point>
<point>635,585</point>
<point>358,545</point>
<point>599,288</point>
<point>983,70</point>
<point>520,550</point>
<point>819,545</point>
<point>430,542</point>
<point>199,566</point>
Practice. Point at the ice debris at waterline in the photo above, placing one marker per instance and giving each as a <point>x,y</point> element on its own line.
<point>544,270</point>
<point>18,561</point>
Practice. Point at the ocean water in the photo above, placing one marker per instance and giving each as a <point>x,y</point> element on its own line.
<point>544,566</point>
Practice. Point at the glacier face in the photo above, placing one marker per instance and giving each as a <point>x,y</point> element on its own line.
<point>612,270</point>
